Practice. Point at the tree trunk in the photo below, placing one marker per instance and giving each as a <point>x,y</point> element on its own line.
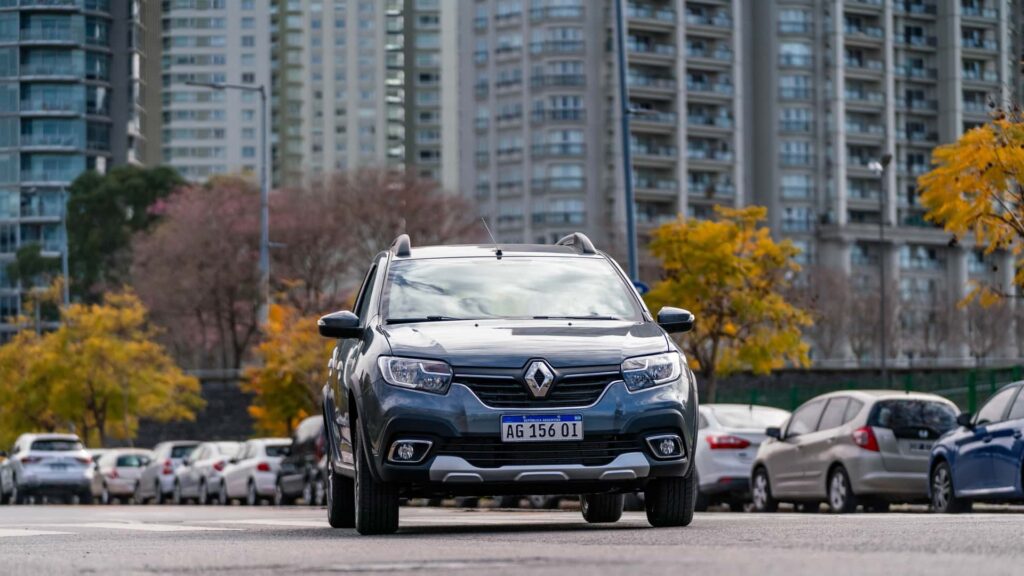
<point>711,385</point>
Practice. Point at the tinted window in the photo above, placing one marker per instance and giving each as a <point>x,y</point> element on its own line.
<point>908,418</point>
<point>56,445</point>
<point>853,407</point>
<point>364,295</point>
<point>753,417</point>
<point>512,287</point>
<point>131,461</point>
<point>1017,411</point>
<point>993,410</point>
<point>833,415</point>
<point>278,451</point>
<point>181,451</point>
<point>805,419</point>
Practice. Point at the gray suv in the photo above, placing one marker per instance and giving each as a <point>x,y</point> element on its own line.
<point>503,370</point>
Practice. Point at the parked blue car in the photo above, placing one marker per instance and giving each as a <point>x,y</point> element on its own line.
<point>983,458</point>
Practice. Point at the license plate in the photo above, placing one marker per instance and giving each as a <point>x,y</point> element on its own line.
<point>58,467</point>
<point>920,447</point>
<point>541,428</point>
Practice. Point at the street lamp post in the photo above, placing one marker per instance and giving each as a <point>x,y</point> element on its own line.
<point>264,265</point>
<point>66,288</point>
<point>881,168</point>
<point>627,156</point>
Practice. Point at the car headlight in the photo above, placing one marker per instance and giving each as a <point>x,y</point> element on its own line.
<point>649,371</point>
<point>424,375</point>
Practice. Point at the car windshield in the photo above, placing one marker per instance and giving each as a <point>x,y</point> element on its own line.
<point>226,448</point>
<point>278,451</point>
<point>182,451</point>
<point>512,287</point>
<point>749,416</point>
<point>908,418</point>
<point>56,445</point>
<point>132,461</point>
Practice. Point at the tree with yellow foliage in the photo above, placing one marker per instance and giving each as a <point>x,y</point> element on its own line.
<point>290,375</point>
<point>976,189</point>
<point>733,276</point>
<point>101,372</point>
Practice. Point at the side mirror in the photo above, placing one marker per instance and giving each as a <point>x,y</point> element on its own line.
<point>342,324</point>
<point>675,320</point>
<point>773,432</point>
<point>965,419</point>
<point>233,461</point>
<point>185,461</point>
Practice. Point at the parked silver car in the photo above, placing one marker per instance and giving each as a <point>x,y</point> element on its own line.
<point>46,465</point>
<point>728,436</point>
<point>117,472</point>
<point>157,480</point>
<point>850,448</point>
<point>199,476</point>
<point>251,476</point>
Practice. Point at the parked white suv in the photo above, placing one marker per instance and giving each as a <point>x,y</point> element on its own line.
<point>251,476</point>
<point>46,465</point>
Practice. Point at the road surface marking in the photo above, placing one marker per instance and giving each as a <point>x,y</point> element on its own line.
<point>14,533</point>
<point>142,527</point>
<point>275,522</point>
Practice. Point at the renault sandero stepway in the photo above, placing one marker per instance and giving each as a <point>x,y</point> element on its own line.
<point>503,370</point>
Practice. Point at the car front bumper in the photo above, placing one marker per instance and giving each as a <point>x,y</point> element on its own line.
<point>402,414</point>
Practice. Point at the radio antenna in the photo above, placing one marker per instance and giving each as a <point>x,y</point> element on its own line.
<point>497,250</point>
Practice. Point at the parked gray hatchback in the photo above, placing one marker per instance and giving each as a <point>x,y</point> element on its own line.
<point>852,448</point>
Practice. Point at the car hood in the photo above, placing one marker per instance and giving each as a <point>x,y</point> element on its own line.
<point>511,343</point>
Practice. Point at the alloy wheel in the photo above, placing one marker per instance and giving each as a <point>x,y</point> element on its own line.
<point>251,497</point>
<point>222,494</point>
<point>760,491</point>
<point>307,492</point>
<point>942,488</point>
<point>837,492</point>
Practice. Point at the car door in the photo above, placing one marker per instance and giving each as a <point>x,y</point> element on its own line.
<point>972,474</point>
<point>234,474</point>
<point>785,462</point>
<point>818,445</point>
<point>1006,449</point>
<point>190,478</point>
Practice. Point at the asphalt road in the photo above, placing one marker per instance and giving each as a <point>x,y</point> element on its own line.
<point>189,540</point>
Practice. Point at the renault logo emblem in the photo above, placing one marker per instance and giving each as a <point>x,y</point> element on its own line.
<point>538,377</point>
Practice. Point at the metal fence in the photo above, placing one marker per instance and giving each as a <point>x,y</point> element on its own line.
<point>967,388</point>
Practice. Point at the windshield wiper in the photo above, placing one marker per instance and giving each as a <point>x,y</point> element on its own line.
<point>423,319</point>
<point>576,318</point>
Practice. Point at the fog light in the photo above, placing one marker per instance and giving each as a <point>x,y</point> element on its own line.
<point>409,451</point>
<point>666,446</point>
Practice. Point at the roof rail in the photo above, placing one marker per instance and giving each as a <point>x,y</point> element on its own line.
<point>402,246</point>
<point>579,242</point>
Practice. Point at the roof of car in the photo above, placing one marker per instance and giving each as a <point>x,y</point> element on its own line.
<point>272,440</point>
<point>488,250</point>
<point>885,395</point>
<point>51,436</point>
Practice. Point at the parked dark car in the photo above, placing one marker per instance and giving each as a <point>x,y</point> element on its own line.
<point>301,475</point>
<point>504,370</point>
<point>982,459</point>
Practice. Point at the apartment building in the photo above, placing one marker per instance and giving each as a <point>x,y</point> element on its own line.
<point>78,91</point>
<point>541,142</point>
<point>209,132</point>
<point>359,84</point>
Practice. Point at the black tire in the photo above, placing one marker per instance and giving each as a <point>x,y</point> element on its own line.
<point>176,497</point>
<point>944,499</point>
<point>841,499</point>
<point>222,494</point>
<point>601,508</point>
<point>280,499</point>
<point>761,491</point>
<point>4,499</point>
<point>85,497</point>
<point>670,501</point>
<point>204,493</point>
<point>309,491</point>
<point>105,497</point>
<point>137,497</point>
<point>341,500</point>
<point>508,501</point>
<point>252,498</point>
<point>18,497</point>
<point>376,501</point>
<point>158,497</point>
<point>808,507</point>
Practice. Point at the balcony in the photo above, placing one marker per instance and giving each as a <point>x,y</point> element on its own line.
<point>865,64</point>
<point>654,149</point>
<point>52,69</point>
<point>656,184</point>
<point>796,60</point>
<point>559,115</point>
<point>915,8</point>
<point>558,218</point>
<point>912,169</point>
<point>91,5</point>
<point>916,41</point>
<point>558,183</point>
<point>794,28</point>
<point>40,35</point>
<point>719,88</point>
<point>697,153</point>
<point>653,117</point>
<point>868,96</point>
<point>979,12</point>
<point>720,21</point>
<point>924,105</point>
<point>636,80</point>
<point>710,189</point>
<point>865,128</point>
<point>787,159</point>
<point>868,32</point>
<point>920,136</point>
<point>652,48</point>
<point>54,106</point>
<point>559,149</point>
<point>719,54</point>
<point>556,47</point>
<point>980,75</point>
<point>976,106</point>
<point>545,13</point>
<point>560,80</point>
<point>637,11</point>
<point>51,140</point>
<point>63,176</point>
<point>907,71</point>
<point>709,121</point>
<point>986,44</point>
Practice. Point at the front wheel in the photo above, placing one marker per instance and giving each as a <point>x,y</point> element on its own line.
<point>176,497</point>
<point>944,499</point>
<point>222,494</point>
<point>670,501</point>
<point>761,492</point>
<point>252,498</point>
<point>841,499</point>
<point>204,493</point>
<point>105,498</point>
<point>376,501</point>
<point>601,508</point>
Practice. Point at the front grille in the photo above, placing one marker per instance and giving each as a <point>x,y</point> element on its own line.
<point>506,389</point>
<point>491,452</point>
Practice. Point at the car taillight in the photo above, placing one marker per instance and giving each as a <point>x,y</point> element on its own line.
<point>726,442</point>
<point>112,474</point>
<point>31,459</point>
<point>168,467</point>
<point>219,466</point>
<point>84,459</point>
<point>865,438</point>
<point>263,467</point>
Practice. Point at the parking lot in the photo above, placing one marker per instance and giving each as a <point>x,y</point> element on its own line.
<point>41,540</point>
